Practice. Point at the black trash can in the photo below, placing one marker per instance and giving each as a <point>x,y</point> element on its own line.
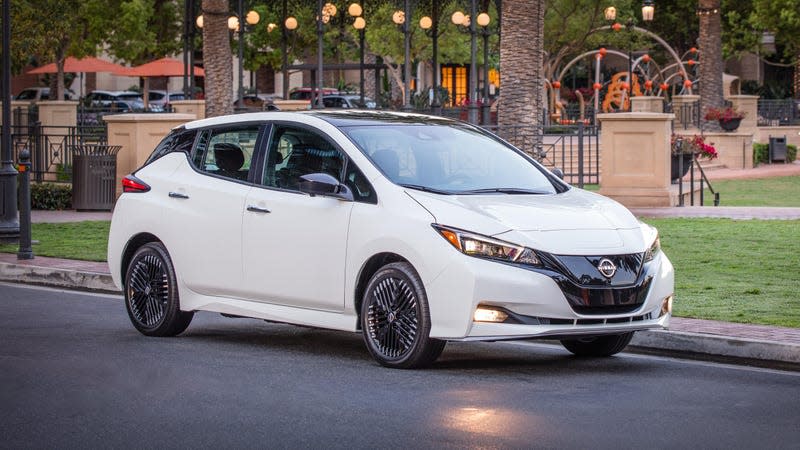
<point>777,149</point>
<point>94,176</point>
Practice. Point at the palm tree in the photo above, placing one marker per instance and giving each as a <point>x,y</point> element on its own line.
<point>217,58</point>
<point>711,54</point>
<point>522,73</point>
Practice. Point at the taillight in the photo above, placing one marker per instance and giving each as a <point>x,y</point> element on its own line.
<point>133,184</point>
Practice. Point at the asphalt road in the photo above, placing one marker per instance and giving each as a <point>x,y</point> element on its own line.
<point>74,373</point>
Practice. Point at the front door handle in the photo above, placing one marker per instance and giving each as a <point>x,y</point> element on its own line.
<point>178,195</point>
<point>256,209</point>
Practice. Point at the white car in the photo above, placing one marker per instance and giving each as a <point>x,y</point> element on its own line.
<point>413,230</point>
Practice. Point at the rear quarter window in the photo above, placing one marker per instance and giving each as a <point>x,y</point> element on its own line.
<point>177,141</point>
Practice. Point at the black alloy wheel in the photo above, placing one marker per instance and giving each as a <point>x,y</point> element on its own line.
<point>151,293</point>
<point>396,321</point>
<point>598,346</point>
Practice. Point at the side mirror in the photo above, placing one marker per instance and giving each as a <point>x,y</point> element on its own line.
<point>325,185</point>
<point>558,172</point>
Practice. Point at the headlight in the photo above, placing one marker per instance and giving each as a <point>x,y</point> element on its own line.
<point>485,247</point>
<point>651,252</point>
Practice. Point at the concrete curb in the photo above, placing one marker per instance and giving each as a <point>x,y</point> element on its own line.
<point>55,277</point>
<point>715,345</point>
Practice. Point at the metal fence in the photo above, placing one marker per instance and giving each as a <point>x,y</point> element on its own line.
<point>572,148</point>
<point>778,112</point>
<point>51,149</point>
<point>687,115</point>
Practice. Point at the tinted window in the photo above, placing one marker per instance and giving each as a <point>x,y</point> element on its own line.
<point>176,141</point>
<point>450,158</point>
<point>227,152</point>
<point>295,152</point>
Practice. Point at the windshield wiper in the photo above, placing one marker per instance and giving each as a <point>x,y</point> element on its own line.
<point>425,189</point>
<point>505,191</point>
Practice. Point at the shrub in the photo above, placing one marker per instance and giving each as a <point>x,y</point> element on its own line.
<point>51,196</point>
<point>761,153</point>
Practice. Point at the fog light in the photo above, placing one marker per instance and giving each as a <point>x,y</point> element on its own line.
<point>666,306</point>
<point>489,315</point>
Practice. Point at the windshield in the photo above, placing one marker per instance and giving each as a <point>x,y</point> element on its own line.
<point>449,159</point>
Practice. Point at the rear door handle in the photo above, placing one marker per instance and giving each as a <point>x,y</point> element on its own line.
<point>256,209</point>
<point>178,195</point>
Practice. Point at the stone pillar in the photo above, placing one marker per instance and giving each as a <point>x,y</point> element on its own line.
<point>55,113</point>
<point>19,112</point>
<point>749,105</point>
<point>196,107</point>
<point>139,134</point>
<point>635,160</point>
<point>647,103</point>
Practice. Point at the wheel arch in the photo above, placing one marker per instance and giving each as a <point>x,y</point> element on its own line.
<point>372,265</point>
<point>130,248</point>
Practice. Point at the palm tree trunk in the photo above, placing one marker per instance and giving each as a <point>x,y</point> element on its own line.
<point>522,73</point>
<point>711,94</point>
<point>217,58</point>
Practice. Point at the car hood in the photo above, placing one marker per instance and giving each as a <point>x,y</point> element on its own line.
<point>575,222</point>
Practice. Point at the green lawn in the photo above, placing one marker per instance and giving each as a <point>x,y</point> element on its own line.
<point>777,191</point>
<point>737,271</point>
<point>82,240</point>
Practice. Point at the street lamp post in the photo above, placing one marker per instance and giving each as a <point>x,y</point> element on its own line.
<point>289,24</point>
<point>359,23</point>
<point>431,27</point>
<point>237,24</point>
<point>9,220</point>
<point>458,18</point>
<point>610,14</point>
<point>401,18</point>
<point>483,22</point>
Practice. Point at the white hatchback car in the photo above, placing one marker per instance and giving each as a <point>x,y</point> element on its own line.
<point>413,229</point>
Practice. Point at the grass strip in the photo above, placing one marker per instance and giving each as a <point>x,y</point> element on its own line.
<point>85,241</point>
<point>734,270</point>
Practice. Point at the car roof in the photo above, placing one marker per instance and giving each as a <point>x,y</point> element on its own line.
<point>337,118</point>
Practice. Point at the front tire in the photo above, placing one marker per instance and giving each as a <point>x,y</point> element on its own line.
<point>395,319</point>
<point>598,346</point>
<point>151,293</point>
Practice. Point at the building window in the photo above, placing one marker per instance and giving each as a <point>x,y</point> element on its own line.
<point>455,80</point>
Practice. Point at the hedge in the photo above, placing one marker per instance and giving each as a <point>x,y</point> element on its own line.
<point>51,196</point>
<point>761,153</point>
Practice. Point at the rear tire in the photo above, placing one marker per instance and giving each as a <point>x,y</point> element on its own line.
<point>598,346</point>
<point>395,319</point>
<point>151,293</point>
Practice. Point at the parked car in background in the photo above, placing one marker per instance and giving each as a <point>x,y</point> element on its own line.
<point>410,229</point>
<point>348,101</point>
<point>305,93</point>
<point>98,98</point>
<point>35,94</point>
<point>257,102</point>
<point>161,98</point>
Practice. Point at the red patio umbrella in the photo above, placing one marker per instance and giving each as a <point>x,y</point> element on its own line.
<point>89,64</point>
<point>164,67</point>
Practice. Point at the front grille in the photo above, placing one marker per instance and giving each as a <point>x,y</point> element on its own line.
<point>588,301</point>
<point>588,292</point>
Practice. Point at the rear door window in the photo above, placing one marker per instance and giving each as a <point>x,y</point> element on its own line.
<point>227,152</point>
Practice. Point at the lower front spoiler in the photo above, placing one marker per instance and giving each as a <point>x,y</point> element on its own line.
<point>482,331</point>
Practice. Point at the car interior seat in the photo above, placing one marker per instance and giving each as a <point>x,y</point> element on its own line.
<point>230,159</point>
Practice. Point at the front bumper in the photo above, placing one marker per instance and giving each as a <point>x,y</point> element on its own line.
<point>536,301</point>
